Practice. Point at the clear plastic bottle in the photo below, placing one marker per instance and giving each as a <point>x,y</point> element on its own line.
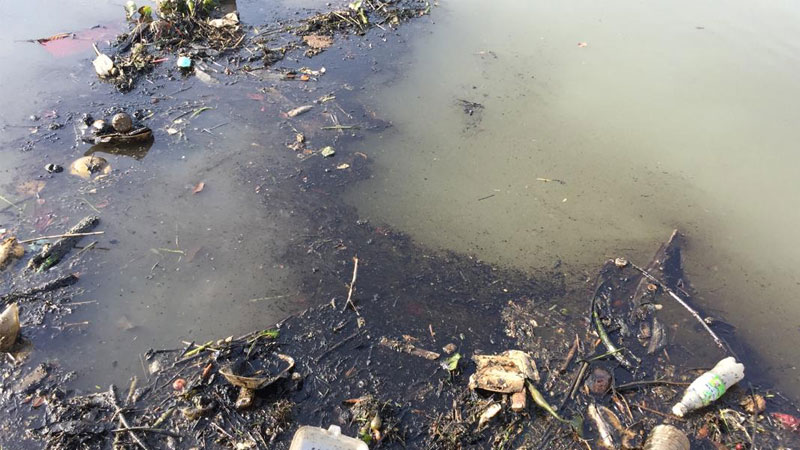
<point>710,386</point>
<point>666,437</point>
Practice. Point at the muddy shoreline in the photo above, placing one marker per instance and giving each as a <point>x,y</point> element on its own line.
<point>435,298</point>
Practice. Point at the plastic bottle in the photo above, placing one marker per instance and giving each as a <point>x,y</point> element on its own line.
<point>666,437</point>
<point>313,438</point>
<point>710,386</point>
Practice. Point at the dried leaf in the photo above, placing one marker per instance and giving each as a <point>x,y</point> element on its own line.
<point>582,44</point>
<point>198,187</point>
<point>10,249</point>
<point>318,41</point>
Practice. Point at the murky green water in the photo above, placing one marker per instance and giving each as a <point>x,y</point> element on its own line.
<point>653,115</point>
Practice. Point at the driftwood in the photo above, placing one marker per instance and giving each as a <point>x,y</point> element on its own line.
<point>52,254</point>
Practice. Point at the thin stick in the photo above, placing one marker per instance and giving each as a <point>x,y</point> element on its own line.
<point>58,236</point>
<point>148,430</point>
<point>9,202</point>
<point>341,127</point>
<point>636,384</point>
<point>655,411</point>
<point>91,205</point>
<point>570,355</point>
<point>683,303</point>
<point>352,286</point>
<point>122,420</point>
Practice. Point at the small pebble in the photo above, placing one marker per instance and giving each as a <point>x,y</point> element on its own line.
<point>179,384</point>
<point>53,168</point>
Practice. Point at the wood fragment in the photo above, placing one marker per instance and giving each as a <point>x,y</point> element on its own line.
<point>519,401</point>
<point>112,392</point>
<point>408,348</point>
<point>52,285</point>
<point>52,254</point>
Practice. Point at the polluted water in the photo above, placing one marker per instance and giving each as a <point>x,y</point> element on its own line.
<point>540,136</point>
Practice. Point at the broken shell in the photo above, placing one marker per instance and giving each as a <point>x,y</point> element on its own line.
<point>138,135</point>
<point>256,382</point>
<point>9,327</point>
<point>245,399</point>
<point>53,168</point>
<point>376,423</point>
<point>651,287</point>
<point>87,166</point>
<point>621,262</point>
<point>122,122</point>
<point>100,126</point>
<point>487,415</point>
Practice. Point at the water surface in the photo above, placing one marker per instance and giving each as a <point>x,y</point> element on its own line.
<point>604,126</point>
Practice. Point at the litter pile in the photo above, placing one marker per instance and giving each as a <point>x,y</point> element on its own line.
<point>605,380</point>
<point>190,32</point>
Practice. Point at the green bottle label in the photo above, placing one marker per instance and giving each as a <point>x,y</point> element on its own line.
<point>709,387</point>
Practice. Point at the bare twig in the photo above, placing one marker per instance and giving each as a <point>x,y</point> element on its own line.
<point>636,384</point>
<point>58,236</point>
<point>122,420</point>
<point>147,430</point>
<point>683,303</point>
<point>352,287</point>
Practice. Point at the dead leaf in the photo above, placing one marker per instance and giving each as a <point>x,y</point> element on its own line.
<point>318,41</point>
<point>10,249</point>
<point>343,166</point>
<point>37,402</point>
<point>198,187</point>
<point>582,44</point>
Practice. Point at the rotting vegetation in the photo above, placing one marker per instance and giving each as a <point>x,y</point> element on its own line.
<point>207,31</point>
<point>415,395</point>
<point>379,358</point>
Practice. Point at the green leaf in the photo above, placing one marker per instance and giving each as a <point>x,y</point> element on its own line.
<point>452,362</point>
<point>271,334</point>
<point>146,12</point>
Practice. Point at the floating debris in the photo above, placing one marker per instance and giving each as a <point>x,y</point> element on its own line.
<point>90,166</point>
